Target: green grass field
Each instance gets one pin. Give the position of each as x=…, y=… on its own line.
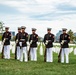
x=14, y=67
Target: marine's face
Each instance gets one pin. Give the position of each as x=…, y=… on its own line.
x=49, y=31
x=23, y=30
x=6, y=30
x=19, y=30
x=64, y=31
x=33, y=31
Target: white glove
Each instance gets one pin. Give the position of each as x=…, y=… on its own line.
x=3, y=41
x=20, y=43
x=46, y=42
x=17, y=41
x=62, y=42
x=6, y=38
x=28, y=44
x=31, y=41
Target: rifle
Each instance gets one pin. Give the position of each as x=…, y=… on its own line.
x=3, y=46
x=3, y=49
x=29, y=54
x=16, y=46
x=59, y=56
x=16, y=51
x=45, y=50
x=29, y=50
x=45, y=54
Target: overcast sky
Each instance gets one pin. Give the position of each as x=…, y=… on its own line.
x=41, y=14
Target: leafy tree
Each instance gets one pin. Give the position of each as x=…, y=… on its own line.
x=70, y=32
x=74, y=40
x=1, y=27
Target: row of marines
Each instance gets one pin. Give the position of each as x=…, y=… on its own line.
x=21, y=39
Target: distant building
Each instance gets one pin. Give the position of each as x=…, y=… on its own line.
x=13, y=34
x=57, y=35
x=75, y=34
x=74, y=38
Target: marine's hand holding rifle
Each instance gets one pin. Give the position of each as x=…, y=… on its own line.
x=31, y=42
x=3, y=41
x=20, y=43
x=46, y=42
x=62, y=42
x=16, y=41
